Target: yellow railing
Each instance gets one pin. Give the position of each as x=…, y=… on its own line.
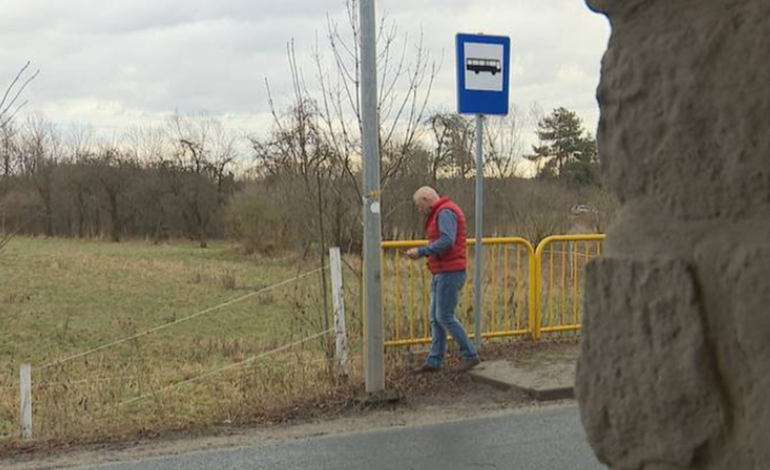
x=508, y=296
x=527, y=292
x=559, y=263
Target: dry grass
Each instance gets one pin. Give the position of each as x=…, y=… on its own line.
x=61, y=297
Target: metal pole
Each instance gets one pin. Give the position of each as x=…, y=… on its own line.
x=478, y=273
x=374, y=337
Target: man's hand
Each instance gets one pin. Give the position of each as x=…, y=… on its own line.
x=413, y=253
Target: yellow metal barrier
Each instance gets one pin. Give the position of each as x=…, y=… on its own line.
x=559, y=262
x=508, y=297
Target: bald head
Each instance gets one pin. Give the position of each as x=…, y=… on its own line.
x=425, y=197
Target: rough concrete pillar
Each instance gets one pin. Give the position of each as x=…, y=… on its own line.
x=675, y=368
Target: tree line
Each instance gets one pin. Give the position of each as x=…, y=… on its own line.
x=297, y=185
x=192, y=179
x=154, y=183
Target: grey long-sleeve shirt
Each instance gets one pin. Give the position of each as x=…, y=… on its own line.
x=447, y=226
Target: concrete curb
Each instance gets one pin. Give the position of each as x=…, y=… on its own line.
x=539, y=385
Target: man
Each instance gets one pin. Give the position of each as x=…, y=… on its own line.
x=445, y=227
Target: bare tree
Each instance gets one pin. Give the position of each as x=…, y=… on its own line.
x=441, y=125
x=79, y=143
x=406, y=73
x=8, y=104
x=297, y=152
x=406, y=76
x=148, y=145
x=41, y=150
x=80, y=185
x=113, y=171
x=9, y=107
x=9, y=149
x=453, y=140
x=151, y=148
x=504, y=144
x=202, y=154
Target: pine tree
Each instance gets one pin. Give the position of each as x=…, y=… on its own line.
x=566, y=150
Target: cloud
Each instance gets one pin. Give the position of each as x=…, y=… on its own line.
x=114, y=63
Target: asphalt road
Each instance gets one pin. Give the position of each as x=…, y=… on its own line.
x=547, y=439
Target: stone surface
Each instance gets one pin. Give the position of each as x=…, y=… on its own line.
x=684, y=104
x=676, y=366
x=750, y=271
x=646, y=380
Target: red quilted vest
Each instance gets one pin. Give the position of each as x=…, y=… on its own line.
x=453, y=259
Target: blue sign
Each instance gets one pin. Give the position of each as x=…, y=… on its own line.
x=483, y=73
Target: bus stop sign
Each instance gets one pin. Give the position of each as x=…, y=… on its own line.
x=483, y=73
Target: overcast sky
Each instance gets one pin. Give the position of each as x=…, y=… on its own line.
x=120, y=63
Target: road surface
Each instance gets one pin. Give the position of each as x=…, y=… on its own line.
x=547, y=439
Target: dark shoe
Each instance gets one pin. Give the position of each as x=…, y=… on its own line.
x=425, y=369
x=466, y=365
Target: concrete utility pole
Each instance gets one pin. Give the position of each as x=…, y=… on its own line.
x=478, y=274
x=374, y=337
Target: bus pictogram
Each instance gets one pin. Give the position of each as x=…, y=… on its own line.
x=483, y=65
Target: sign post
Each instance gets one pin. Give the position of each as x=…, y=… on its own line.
x=479, y=252
x=483, y=73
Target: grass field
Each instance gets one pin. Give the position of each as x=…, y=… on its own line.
x=60, y=297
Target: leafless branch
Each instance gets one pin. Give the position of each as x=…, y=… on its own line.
x=14, y=93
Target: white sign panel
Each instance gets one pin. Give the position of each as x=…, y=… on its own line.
x=484, y=66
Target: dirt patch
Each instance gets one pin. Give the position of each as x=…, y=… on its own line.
x=429, y=399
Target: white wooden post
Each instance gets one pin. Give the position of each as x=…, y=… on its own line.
x=26, y=401
x=339, y=310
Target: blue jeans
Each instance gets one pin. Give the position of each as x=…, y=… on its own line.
x=444, y=293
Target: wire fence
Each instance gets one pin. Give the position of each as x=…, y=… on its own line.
x=229, y=367
x=129, y=385
x=75, y=390
x=179, y=321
